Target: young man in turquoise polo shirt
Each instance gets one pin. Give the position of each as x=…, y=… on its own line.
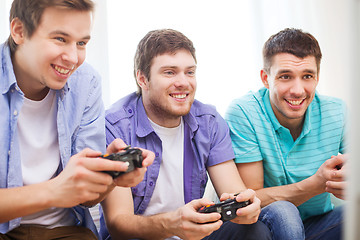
x=287, y=139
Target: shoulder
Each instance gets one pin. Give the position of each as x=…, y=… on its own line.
x=85, y=77
x=199, y=109
x=123, y=108
x=327, y=100
x=206, y=118
x=249, y=104
x=328, y=104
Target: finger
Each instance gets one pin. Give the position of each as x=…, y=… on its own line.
x=102, y=164
x=336, y=185
x=87, y=152
x=116, y=146
x=194, y=230
x=334, y=162
x=335, y=191
x=225, y=196
x=253, y=209
x=148, y=157
x=198, y=203
x=207, y=217
x=248, y=194
x=338, y=175
x=130, y=179
x=208, y=227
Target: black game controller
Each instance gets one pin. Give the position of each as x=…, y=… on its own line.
x=131, y=155
x=227, y=208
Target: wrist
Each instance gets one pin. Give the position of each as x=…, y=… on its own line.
x=312, y=185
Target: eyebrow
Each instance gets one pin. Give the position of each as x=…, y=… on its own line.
x=289, y=71
x=58, y=32
x=174, y=67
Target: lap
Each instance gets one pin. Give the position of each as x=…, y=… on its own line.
x=284, y=221
x=326, y=226
x=41, y=233
x=232, y=231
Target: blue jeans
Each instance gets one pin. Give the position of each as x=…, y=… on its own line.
x=233, y=231
x=284, y=221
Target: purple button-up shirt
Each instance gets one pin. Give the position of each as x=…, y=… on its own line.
x=206, y=143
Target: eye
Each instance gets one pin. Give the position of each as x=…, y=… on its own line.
x=308, y=76
x=82, y=43
x=60, y=39
x=168, y=72
x=191, y=73
x=285, y=77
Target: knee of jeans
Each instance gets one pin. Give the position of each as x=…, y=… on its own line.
x=283, y=219
x=282, y=211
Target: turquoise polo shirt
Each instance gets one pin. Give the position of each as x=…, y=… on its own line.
x=257, y=135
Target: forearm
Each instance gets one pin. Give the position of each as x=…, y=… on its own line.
x=22, y=201
x=296, y=193
x=126, y=226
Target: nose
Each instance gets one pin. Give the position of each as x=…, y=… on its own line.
x=181, y=80
x=297, y=88
x=70, y=54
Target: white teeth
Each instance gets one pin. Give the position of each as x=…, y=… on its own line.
x=296, y=103
x=179, y=95
x=62, y=70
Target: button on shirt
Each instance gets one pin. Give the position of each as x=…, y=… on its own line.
x=80, y=124
x=206, y=143
x=257, y=135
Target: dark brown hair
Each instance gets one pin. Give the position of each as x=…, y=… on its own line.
x=29, y=12
x=293, y=41
x=156, y=43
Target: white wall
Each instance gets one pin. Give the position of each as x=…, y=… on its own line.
x=229, y=37
x=352, y=213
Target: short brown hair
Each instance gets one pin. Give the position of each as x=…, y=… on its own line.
x=29, y=12
x=158, y=42
x=293, y=41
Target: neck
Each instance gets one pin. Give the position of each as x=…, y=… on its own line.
x=31, y=89
x=295, y=128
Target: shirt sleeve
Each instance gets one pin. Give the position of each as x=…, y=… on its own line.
x=220, y=147
x=91, y=132
x=243, y=135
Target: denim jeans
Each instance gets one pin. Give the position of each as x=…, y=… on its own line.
x=233, y=231
x=284, y=221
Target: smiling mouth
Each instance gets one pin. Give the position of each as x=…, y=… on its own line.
x=61, y=70
x=179, y=96
x=295, y=102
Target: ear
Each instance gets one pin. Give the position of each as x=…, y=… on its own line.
x=17, y=31
x=142, y=80
x=264, y=78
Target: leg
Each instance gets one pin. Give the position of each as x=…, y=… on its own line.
x=232, y=231
x=326, y=226
x=4, y=237
x=284, y=221
x=41, y=233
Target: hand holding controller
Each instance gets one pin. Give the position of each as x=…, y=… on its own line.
x=226, y=208
x=131, y=155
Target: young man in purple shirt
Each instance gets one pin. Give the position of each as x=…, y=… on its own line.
x=189, y=139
